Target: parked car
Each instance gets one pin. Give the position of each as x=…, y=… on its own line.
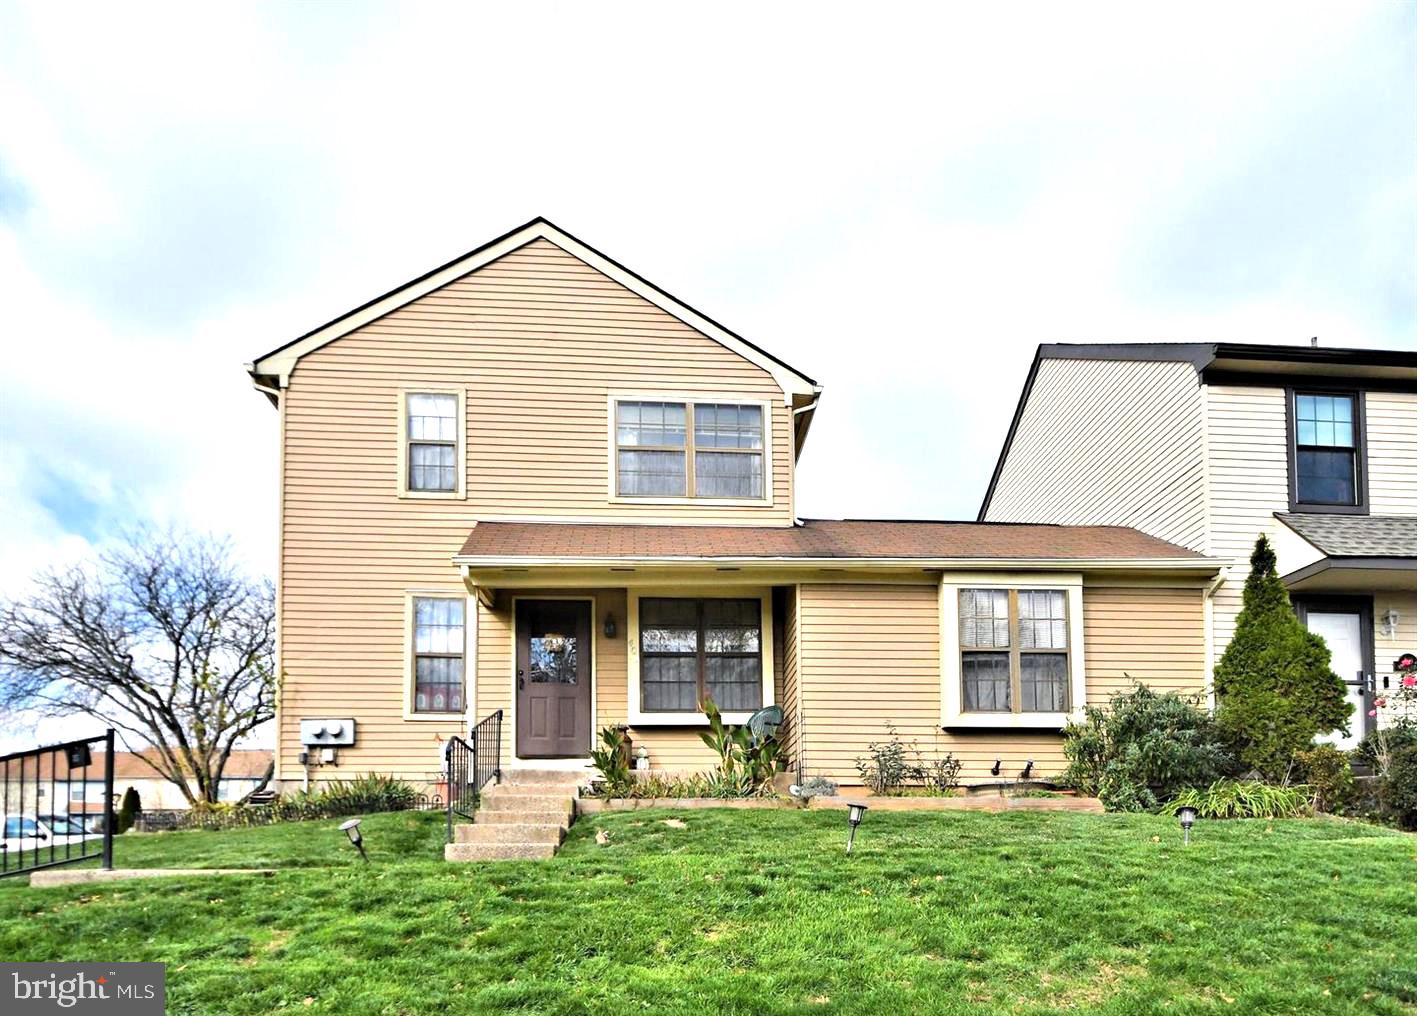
x=27, y=833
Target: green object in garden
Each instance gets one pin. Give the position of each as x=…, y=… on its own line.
x=1276, y=688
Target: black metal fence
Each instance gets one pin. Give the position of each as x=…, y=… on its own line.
x=40, y=789
x=471, y=764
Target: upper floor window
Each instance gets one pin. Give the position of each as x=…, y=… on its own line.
x=1014, y=650
x=432, y=427
x=1327, y=456
x=690, y=449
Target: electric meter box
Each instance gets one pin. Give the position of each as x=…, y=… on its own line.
x=326, y=732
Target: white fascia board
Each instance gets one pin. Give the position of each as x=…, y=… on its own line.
x=282, y=362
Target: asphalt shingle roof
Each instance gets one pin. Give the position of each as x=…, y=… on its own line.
x=1357, y=535
x=819, y=538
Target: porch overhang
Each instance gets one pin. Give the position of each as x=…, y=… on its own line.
x=1354, y=574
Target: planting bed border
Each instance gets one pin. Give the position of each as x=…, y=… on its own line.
x=968, y=802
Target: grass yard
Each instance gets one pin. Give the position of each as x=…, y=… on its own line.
x=761, y=912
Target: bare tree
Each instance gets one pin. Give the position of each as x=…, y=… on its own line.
x=163, y=639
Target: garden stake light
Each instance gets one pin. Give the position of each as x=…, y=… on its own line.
x=351, y=829
x=1187, y=815
x=854, y=813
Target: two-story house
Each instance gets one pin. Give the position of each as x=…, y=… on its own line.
x=532, y=481
x=1208, y=445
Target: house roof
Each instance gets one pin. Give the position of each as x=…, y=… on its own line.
x=1220, y=362
x=245, y=763
x=274, y=367
x=1357, y=535
x=816, y=540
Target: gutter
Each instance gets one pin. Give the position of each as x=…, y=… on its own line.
x=1203, y=565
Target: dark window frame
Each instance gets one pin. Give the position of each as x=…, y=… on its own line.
x=1016, y=652
x=700, y=654
x=1360, y=450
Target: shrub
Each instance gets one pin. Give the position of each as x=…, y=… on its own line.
x=816, y=786
x=1329, y=776
x=746, y=763
x=1399, y=787
x=892, y=765
x=128, y=810
x=1143, y=748
x=612, y=761
x=1378, y=745
x=1242, y=799
x=1275, y=685
x=370, y=792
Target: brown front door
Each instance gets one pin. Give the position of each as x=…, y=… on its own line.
x=553, y=678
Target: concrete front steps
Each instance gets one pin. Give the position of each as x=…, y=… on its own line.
x=525, y=817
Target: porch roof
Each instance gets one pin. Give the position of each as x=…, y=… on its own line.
x=1357, y=535
x=843, y=540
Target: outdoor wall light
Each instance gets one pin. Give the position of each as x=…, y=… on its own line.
x=351, y=829
x=1391, y=618
x=854, y=813
x=1187, y=815
x=1028, y=769
x=610, y=626
x=998, y=764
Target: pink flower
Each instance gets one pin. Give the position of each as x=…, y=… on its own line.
x=1409, y=681
x=1380, y=702
x=1372, y=712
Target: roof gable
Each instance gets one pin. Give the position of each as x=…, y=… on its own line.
x=273, y=369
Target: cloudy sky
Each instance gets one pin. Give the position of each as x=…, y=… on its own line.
x=901, y=204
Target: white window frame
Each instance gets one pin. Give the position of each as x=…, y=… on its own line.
x=612, y=458
x=459, y=493
x=410, y=658
x=639, y=716
x=952, y=712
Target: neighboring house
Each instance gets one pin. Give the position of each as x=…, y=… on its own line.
x=49, y=786
x=1208, y=445
x=241, y=775
x=531, y=481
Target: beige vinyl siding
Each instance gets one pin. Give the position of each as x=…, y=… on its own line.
x=869, y=655
x=1387, y=649
x=1249, y=481
x=678, y=749
x=791, y=687
x=537, y=341
x=1154, y=636
x=1392, y=452
x=1106, y=442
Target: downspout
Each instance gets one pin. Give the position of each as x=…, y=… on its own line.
x=1208, y=621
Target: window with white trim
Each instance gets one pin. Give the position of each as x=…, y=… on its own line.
x=438, y=652
x=431, y=429
x=698, y=650
x=690, y=449
x=1013, y=646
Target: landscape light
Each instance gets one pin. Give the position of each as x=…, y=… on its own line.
x=1187, y=815
x=351, y=829
x=854, y=813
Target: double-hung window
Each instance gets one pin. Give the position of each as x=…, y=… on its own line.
x=690, y=449
x=698, y=650
x=1327, y=458
x=438, y=650
x=1013, y=647
x=432, y=425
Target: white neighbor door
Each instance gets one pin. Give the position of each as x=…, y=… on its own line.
x=1344, y=634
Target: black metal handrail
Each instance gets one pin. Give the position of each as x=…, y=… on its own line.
x=29, y=799
x=470, y=764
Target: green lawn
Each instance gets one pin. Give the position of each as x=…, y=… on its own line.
x=761, y=912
